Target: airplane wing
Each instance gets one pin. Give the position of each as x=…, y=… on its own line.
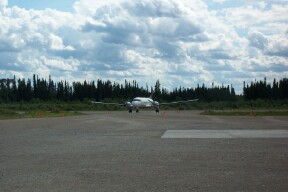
x=103, y=103
x=176, y=102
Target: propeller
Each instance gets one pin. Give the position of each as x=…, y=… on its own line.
x=127, y=104
x=154, y=103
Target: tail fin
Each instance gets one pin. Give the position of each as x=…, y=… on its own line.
x=151, y=96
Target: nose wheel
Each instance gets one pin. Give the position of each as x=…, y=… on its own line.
x=157, y=110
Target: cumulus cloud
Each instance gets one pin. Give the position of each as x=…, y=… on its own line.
x=257, y=40
x=276, y=45
x=250, y=16
x=3, y=4
x=180, y=42
x=168, y=28
x=219, y=1
x=56, y=43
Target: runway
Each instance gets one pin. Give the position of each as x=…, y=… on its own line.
x=118, y=151
x=224, y=134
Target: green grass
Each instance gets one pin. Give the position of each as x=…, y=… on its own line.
x=246, y=113
x=39, y=109
x=10, y=114
x=57, y=106
x=229, y=105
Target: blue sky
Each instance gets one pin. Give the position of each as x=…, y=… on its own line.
x=62, y=5
x=180, y=42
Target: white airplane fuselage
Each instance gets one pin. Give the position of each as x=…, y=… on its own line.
x=142, y=102
x=139, y=102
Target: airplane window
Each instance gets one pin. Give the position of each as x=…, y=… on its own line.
x=136, y=100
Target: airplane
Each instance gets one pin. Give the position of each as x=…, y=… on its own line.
x=140, y=102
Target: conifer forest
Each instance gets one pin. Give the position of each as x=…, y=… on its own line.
x=15, y=90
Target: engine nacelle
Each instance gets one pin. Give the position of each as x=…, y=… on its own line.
x=156, y=103
x=128, y=104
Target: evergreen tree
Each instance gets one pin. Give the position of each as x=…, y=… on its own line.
x=157, y=90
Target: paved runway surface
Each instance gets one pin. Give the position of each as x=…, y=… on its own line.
x=117, y=151
x=224, y=134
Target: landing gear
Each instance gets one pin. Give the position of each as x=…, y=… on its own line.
x=157, y=110
x=130, y=111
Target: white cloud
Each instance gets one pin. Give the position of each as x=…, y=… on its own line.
x=56, y=43
x=249, y=16
x=271, y=45
x=60, y=64
x=262, y=5
x=3, y=4
x=257, y=40
x=219, y=1
x=180, y=42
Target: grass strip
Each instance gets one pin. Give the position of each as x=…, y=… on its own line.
x=245, y=113
x=9, y=114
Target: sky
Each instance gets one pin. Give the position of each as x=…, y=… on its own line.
x=180, y=42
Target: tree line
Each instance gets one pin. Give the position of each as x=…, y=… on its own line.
x=263, y=90
x=12, y=90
